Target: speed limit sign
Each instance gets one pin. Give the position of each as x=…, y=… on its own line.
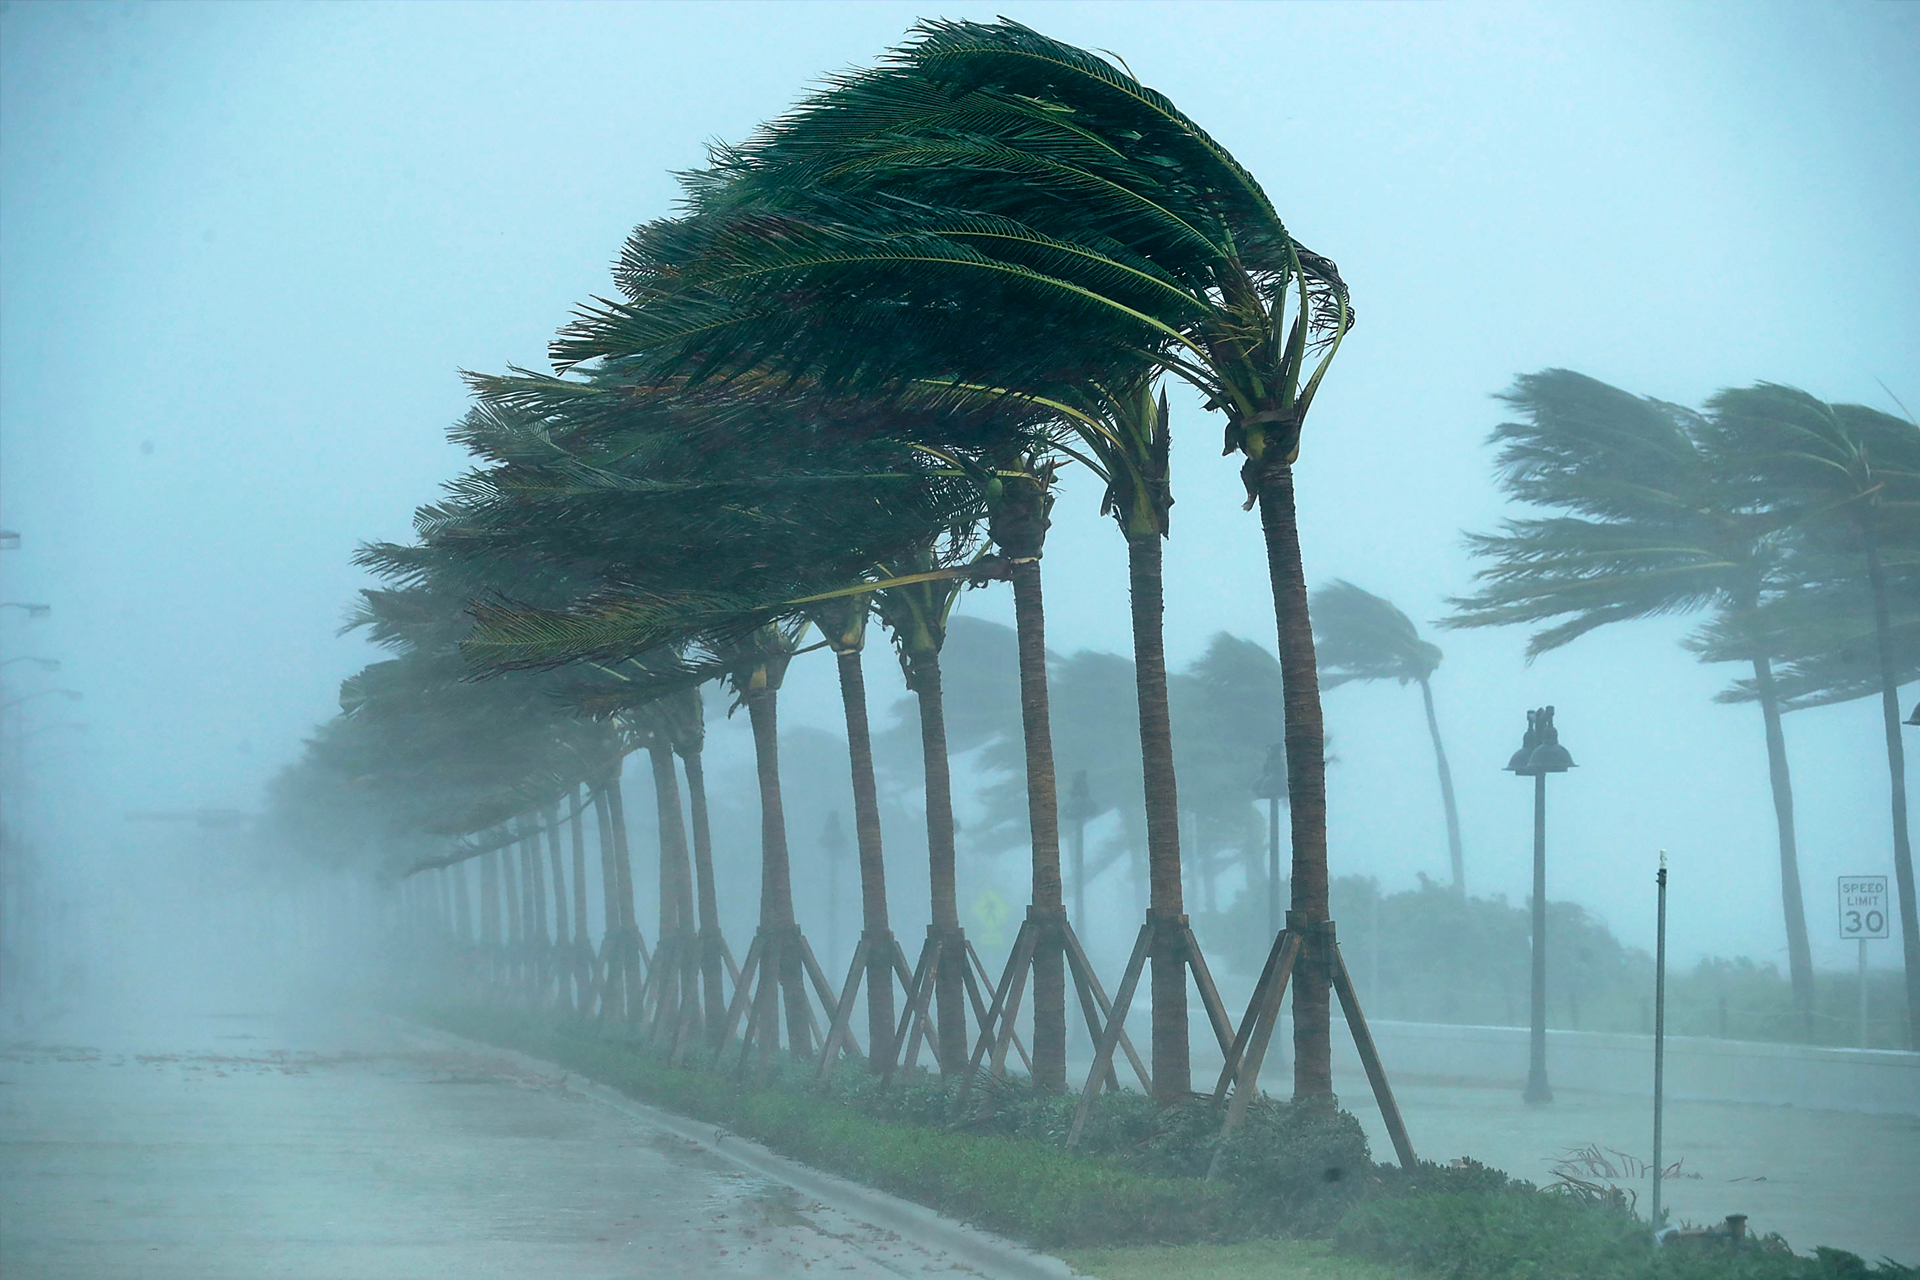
x=1863, y=906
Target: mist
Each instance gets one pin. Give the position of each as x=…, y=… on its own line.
x=247, y=252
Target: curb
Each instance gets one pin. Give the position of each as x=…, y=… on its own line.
x=994, y=1255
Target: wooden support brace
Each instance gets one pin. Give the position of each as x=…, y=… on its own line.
x=1100, y=1013
x=977, y=980
x=1370, y=1058
x=907, y=1043
x=1246, y=1080
x=742, y=990
x=843, y=1011
x=1110, y=1038
x=1209, y=994
x=1006, y=1004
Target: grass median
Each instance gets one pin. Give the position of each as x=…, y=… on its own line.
x=1297, y=1194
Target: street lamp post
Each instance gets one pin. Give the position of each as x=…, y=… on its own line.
x=833, y=842
x=33, y=610
x=1540, y=754
x=1271, y=786
x=1079, y=810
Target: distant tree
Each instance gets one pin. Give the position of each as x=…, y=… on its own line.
x=1846, y=478
x=1648, y=522
x=1361, y=636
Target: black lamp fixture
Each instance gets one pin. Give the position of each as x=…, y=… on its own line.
x=1540, y=750
x=1914, y=719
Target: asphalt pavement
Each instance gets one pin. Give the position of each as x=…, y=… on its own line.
x=251, y=1146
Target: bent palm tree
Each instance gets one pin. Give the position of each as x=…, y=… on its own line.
x=1363, y=637
x=1848, y=478
x=1653, y=526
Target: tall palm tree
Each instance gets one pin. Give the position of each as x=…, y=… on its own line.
x=1648, y=523
x=917, y=613
x=1848, y=478
x=994, y=209
x=842, y=621
x=1362, y=636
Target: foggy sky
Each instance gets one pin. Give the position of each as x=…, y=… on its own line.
x=264, y=239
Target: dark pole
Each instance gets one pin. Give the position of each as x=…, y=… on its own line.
x=1079, y=801
x=1540, y=754
x=1538, y=1089
x=1271, y=786
x=1273, y=864
x=1659, y=1033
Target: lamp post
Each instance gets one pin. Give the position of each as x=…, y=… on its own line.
x=33, y=610
x=1271, y=786
x=1540, y=754
x=1079, y=810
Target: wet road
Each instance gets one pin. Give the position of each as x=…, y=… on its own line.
x=249, y=1147
x=1816, y=1177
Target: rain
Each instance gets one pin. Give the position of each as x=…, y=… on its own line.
x=1124, y=640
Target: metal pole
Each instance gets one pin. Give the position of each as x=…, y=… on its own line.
x=1537, y=1088
x=1659, y=1033
x=1080, y=873
x=1863, y=993
x=1273, y=866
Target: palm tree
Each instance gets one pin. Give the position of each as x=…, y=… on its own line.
x=1363, y=637
x=842, y=622
x=995, y=209
x=1652, y=525
x=1848, y=479
x=917, y=613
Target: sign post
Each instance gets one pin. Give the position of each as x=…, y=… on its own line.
x=1863, y=915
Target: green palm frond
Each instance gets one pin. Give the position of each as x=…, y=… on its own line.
x=1360, y=636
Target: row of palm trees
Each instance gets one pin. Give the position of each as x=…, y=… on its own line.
x=839, y=385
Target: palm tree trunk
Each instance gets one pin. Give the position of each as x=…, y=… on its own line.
x=1799, y=953
x=489, y=919
x=562, y=928
x=1454, y=856
x=615, y=926
x=582, y=967
x=1897, y=768
x=950, y=1009
x=1172, y=1069
x=873, y=868
x=776, y=877
x=512, y=891
x=462, y=908
x=1043, y=818
x=1306, y=781
x=676, y=879
x=709, y=902
x=628, y=952
x=715, y=1006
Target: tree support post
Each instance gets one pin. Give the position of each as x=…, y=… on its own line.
x=1240, y=1074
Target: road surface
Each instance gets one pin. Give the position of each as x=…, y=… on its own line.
x=249, y=1147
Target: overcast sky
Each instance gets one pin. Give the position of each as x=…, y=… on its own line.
x=245, y=249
